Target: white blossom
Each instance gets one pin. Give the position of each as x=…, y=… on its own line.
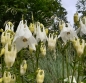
x=23, y=37
x=82, y=28
x=52, y=41
x=70, y=78
x=10, y=56
x=67, y=33
x=41, y=34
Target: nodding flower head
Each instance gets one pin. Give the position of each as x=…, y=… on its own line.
x=40, y=76
x=32, y=27
x=52, y=41
x=79, y=46
x=23, y=67
x=43, y=49
x=61, y=24
x=76, y=17
x=67, y=33
x=10, y=55
x=23, y=37
x=41, y=34
x=7, y=77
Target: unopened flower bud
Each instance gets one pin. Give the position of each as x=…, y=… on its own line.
x=40, y=76
x=3, y=38
x=1, y=79
x=2, y=51
x=7, y=77
x=46, y=30
x=76, y=18
x=13, y=78
x=79, y=46
x=23, y=67
x=31, y=27
x=43, y=50
x=1, y=30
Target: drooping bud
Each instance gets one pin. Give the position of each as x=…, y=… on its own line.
x=7, y=77
x=61, y=24
x=84, y=20
x=1, y=30
x=10, y=56
x=43, y=49
x=40, y=76
x=76, y=18
x=79, y=46
x=23, y=67
x=2, y=51
x=13, y=78
x=3, y=38
x=8, y=38
x=46, y=30
x=31, y=27
x=1, y=79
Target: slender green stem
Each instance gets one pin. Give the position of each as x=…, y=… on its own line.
x=79, y=64
x=2, y=65
x=19, y=62
x=74, y=67
x=67, y=65
x=32, y=62
x=63, y=69
x=22, y=79
x=73, y=72
x=37, y=56
x=37, y=61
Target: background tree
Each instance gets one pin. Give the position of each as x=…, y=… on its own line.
x=81, y=6
x=42, y=10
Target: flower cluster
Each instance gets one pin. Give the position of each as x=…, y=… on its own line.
x=38, y=39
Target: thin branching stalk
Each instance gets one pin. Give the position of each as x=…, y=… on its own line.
x=67, y=65
x=2, y=65
x=74, y=68
x=63, y=64
x=73, y=72
x=37, y=55
x=79, y=65
x=20, y=54
x=63, y=69
x=32, y=62
x=22, y=79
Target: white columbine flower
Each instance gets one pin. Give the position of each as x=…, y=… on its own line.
x=41, y=34
x=79, y=46
x=70, y=78
x=10, y=56
x=6, y=38
x=52, y=41
x=9, y=26
x=82, y=28
x=67, y=33
x=23, y=37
